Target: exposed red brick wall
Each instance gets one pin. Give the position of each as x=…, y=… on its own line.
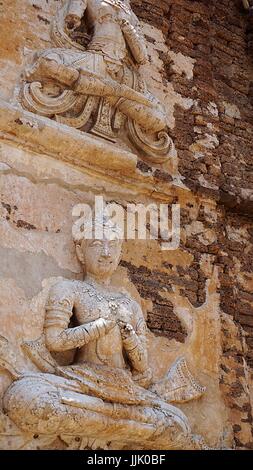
x=216, y=35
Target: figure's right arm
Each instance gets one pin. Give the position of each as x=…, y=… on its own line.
x=75, y=13
x=59, y=310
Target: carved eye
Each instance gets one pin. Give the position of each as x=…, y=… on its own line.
x=113, y=243
x=96, y=243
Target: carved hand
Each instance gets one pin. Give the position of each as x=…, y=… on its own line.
x=143, y=378
x=124, y=22
x=72, y=21
x=77, y=337
x=126, y=329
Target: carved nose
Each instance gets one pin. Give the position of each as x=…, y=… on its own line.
x=106, y=253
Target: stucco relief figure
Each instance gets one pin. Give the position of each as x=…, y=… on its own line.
x=91, y=80
x=106, y=394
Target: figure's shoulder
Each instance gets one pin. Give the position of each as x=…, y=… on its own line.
x=136, y=307
x=127, y=297
x=63, y=288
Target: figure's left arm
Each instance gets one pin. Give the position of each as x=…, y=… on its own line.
x=134, y=39
x=135, y=345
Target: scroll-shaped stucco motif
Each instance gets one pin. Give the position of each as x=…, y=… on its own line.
x=91, y=81
x=105, y=392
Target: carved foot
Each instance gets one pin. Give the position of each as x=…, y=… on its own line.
x=179, y=386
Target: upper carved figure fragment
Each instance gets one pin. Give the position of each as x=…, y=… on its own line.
x=91, y=79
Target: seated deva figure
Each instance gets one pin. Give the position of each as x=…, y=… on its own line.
x=107, y=392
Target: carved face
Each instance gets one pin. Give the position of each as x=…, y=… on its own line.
x=101, y=257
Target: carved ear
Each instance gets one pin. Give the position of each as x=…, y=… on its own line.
x=80, y=254
x=3, y=341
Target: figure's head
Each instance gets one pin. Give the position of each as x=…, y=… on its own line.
x=101, y=256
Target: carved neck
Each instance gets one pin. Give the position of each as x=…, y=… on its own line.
x=103, y=282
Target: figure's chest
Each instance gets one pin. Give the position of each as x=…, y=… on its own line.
x=89, y=308
x=90, y=305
